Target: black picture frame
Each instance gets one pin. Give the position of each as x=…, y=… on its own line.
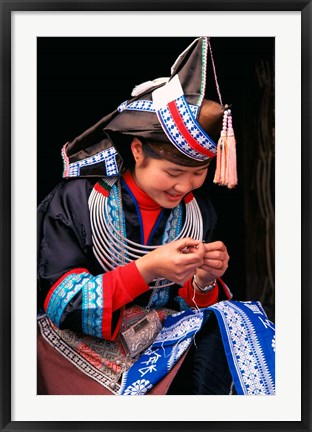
x=7, y=7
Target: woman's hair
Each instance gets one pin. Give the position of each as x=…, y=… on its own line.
x=166, y=150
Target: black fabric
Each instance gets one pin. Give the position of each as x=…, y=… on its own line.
x=205, y=369
x=65, y=240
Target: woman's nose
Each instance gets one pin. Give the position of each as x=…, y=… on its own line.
x=184, y=186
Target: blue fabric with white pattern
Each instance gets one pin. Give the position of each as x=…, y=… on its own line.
x=249, y=342
x=107, y=156
x=91, y=288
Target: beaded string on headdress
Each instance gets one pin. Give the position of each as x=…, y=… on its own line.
x=226, y=171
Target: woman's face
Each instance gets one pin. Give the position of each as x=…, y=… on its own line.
x=165, y=182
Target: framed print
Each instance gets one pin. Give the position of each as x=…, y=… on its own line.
x=47, y=101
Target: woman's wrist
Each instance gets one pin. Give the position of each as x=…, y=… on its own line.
x=146, y=269
x=206, y=287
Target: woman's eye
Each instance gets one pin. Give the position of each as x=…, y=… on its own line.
x=172, y=175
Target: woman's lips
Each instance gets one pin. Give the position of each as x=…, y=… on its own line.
x=174, y=197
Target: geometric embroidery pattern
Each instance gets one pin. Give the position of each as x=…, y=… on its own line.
x=108, y=156
x=173, y=340
x=187, y=325
x=248, y=338
x=64, y=293
x=148, y=105
x=139, y=105
x=52, y=337
x=92, y=306
x=182, y=129
x=248, y=356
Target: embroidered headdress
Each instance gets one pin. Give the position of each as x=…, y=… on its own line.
x=170, y=109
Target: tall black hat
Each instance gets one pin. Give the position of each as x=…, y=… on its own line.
x=170, y=109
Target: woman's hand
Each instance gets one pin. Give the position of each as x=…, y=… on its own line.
x=176, y=261
x=216, y=260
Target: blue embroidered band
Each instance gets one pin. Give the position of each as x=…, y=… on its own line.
x=251, y=361
x=108, y=156
x=147, y=105
x=64, y=293
x=184, y=131
x=92, y=306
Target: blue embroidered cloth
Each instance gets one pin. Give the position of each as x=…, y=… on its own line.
x=249, y=343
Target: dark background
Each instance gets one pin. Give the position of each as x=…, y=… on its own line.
x=82, y=79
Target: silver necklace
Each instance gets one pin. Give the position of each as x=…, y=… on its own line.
x=112, y=248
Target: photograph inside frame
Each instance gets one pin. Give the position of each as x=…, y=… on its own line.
x=156, y=216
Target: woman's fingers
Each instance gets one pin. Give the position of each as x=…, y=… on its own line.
x=186, y=245
x=179, y=260
x=216, y=259
x=216, y=255
x=215, y=246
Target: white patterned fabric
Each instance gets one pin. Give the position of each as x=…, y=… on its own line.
x=107, y=157
x=184, y=131
x=248, y=338
x=249, y=342
x=148, y=105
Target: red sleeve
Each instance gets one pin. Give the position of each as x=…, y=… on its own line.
x=194, y=298
x=125, y=283
x=122, y=286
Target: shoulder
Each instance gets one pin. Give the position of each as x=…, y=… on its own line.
x=204, y=202
x=67, y=195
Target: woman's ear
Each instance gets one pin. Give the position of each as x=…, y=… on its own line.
x=137, y=151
